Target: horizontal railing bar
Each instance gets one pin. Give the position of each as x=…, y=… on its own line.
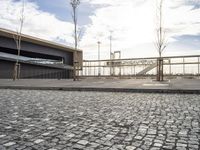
x=142, y=58
x=186, y=63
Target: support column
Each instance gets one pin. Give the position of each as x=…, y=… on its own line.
x=120, y=70
x=198, y=66
x=183, y=66
x=89, y=69
x=86, y=71
x=134, y=71
x=131, y=70
x=170, y=67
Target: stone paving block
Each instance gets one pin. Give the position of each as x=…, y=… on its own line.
x=38, y=141
x=90, y=120
x=9, y=144
x=109, y=136
x=157, y=144
x=83, y=142
x=26, y=130
x=154, y=148
x=130, y=147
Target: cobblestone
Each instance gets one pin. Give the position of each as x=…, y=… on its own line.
x=9, y=144
x=58, y=120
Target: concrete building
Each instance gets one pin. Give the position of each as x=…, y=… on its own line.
x=38, y=58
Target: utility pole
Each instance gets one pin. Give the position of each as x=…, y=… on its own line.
x=110, y=52
x=74, y=4
x=110, y=44
x=99, y=70
x=198, y=66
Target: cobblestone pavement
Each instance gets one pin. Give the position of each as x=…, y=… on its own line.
x=57, y=120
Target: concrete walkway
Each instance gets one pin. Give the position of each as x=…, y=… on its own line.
x=106, y=85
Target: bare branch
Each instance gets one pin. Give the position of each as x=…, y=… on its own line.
x=161, y=42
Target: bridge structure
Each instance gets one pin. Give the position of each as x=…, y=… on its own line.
x=142, y=67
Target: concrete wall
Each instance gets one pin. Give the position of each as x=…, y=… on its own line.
x=32, y=71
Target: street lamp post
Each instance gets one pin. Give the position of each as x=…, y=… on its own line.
x=99, y=69
x=110, y=44
x=110, y=52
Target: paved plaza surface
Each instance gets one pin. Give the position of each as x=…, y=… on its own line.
x=55, y=120
x=105, y=84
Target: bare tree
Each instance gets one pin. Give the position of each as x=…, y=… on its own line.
x=161, y=42
x=74, y=4
x=17, y=37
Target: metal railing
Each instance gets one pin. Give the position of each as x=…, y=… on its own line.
x=173, y=66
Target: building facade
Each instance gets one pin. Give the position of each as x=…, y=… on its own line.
x=38, y=58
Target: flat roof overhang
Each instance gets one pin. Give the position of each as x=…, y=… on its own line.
x=31, y=39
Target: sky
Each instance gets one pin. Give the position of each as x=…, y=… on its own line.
x=131, y=22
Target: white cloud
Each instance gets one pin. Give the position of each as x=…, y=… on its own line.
x=133, y=25
x=37, y=22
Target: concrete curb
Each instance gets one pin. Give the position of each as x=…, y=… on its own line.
x=95, y=89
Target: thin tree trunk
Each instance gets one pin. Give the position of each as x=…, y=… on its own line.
x=161, y=43
x=17, y=38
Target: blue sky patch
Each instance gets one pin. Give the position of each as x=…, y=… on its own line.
x=62, y=10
